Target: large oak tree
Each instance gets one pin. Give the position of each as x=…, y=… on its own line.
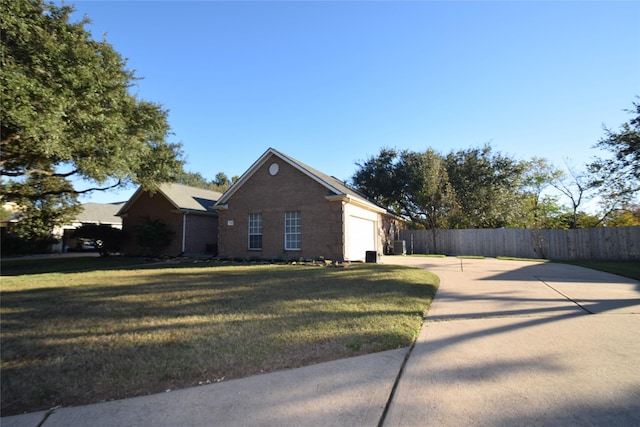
x=487, y=186
x=68, y=114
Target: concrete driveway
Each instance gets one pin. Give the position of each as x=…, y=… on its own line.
x=522, y=343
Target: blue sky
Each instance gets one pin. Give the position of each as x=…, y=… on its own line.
x=331, y=82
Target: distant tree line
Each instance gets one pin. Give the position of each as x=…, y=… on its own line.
x=480, y=188
x=220, y=183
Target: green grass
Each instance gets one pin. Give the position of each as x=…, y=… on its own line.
x=629, y=269
x=429, y=255
x=510, y=258
x=77, y=338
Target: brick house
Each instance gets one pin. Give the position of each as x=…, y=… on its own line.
x=282, y=208
x=187, y=211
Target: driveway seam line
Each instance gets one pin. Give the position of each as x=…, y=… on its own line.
x=392, y=393
x=564, y=295
x=47, y=415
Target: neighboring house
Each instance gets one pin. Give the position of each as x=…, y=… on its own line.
x=282, y=208
x=10, y=214
x=92, y=213
x=99, y=214
x=187, y=211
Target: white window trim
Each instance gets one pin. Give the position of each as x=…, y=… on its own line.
x=249, y=233
x=299, y=233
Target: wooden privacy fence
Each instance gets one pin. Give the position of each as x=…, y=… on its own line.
x=605, y=243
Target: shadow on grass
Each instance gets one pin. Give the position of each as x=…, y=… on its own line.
x=20, y=267
x=113, y=334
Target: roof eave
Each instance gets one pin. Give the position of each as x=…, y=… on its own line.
x=122, y=212
x=194, y=211
x=354, y=201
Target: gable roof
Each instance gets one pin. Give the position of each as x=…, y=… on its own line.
x=100, y=213
x=182, y=197
x=338, y=189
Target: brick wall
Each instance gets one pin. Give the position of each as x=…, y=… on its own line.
x=201, y=229
x=271, y=196
x=202, y=234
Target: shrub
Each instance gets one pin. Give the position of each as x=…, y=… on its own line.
x=152, y=235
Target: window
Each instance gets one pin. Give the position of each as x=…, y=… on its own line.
x=292, y=231
x=255, y=231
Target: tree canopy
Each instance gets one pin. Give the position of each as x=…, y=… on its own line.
x=468, y=188
x=625, y=146
x=487, y=186
x=617, y=176
x=220, y=183
x=427, y=196
x=68, y=112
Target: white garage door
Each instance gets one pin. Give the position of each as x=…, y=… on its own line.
x=361, y=238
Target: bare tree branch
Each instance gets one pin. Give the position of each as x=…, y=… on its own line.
x=30, y=172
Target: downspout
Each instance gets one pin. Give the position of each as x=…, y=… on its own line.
x=344, y=230
x=184, y=232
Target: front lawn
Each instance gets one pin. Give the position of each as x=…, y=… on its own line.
x=76, y=338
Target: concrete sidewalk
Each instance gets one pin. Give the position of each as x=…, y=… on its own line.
x=347, y=392
x=504, y=343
